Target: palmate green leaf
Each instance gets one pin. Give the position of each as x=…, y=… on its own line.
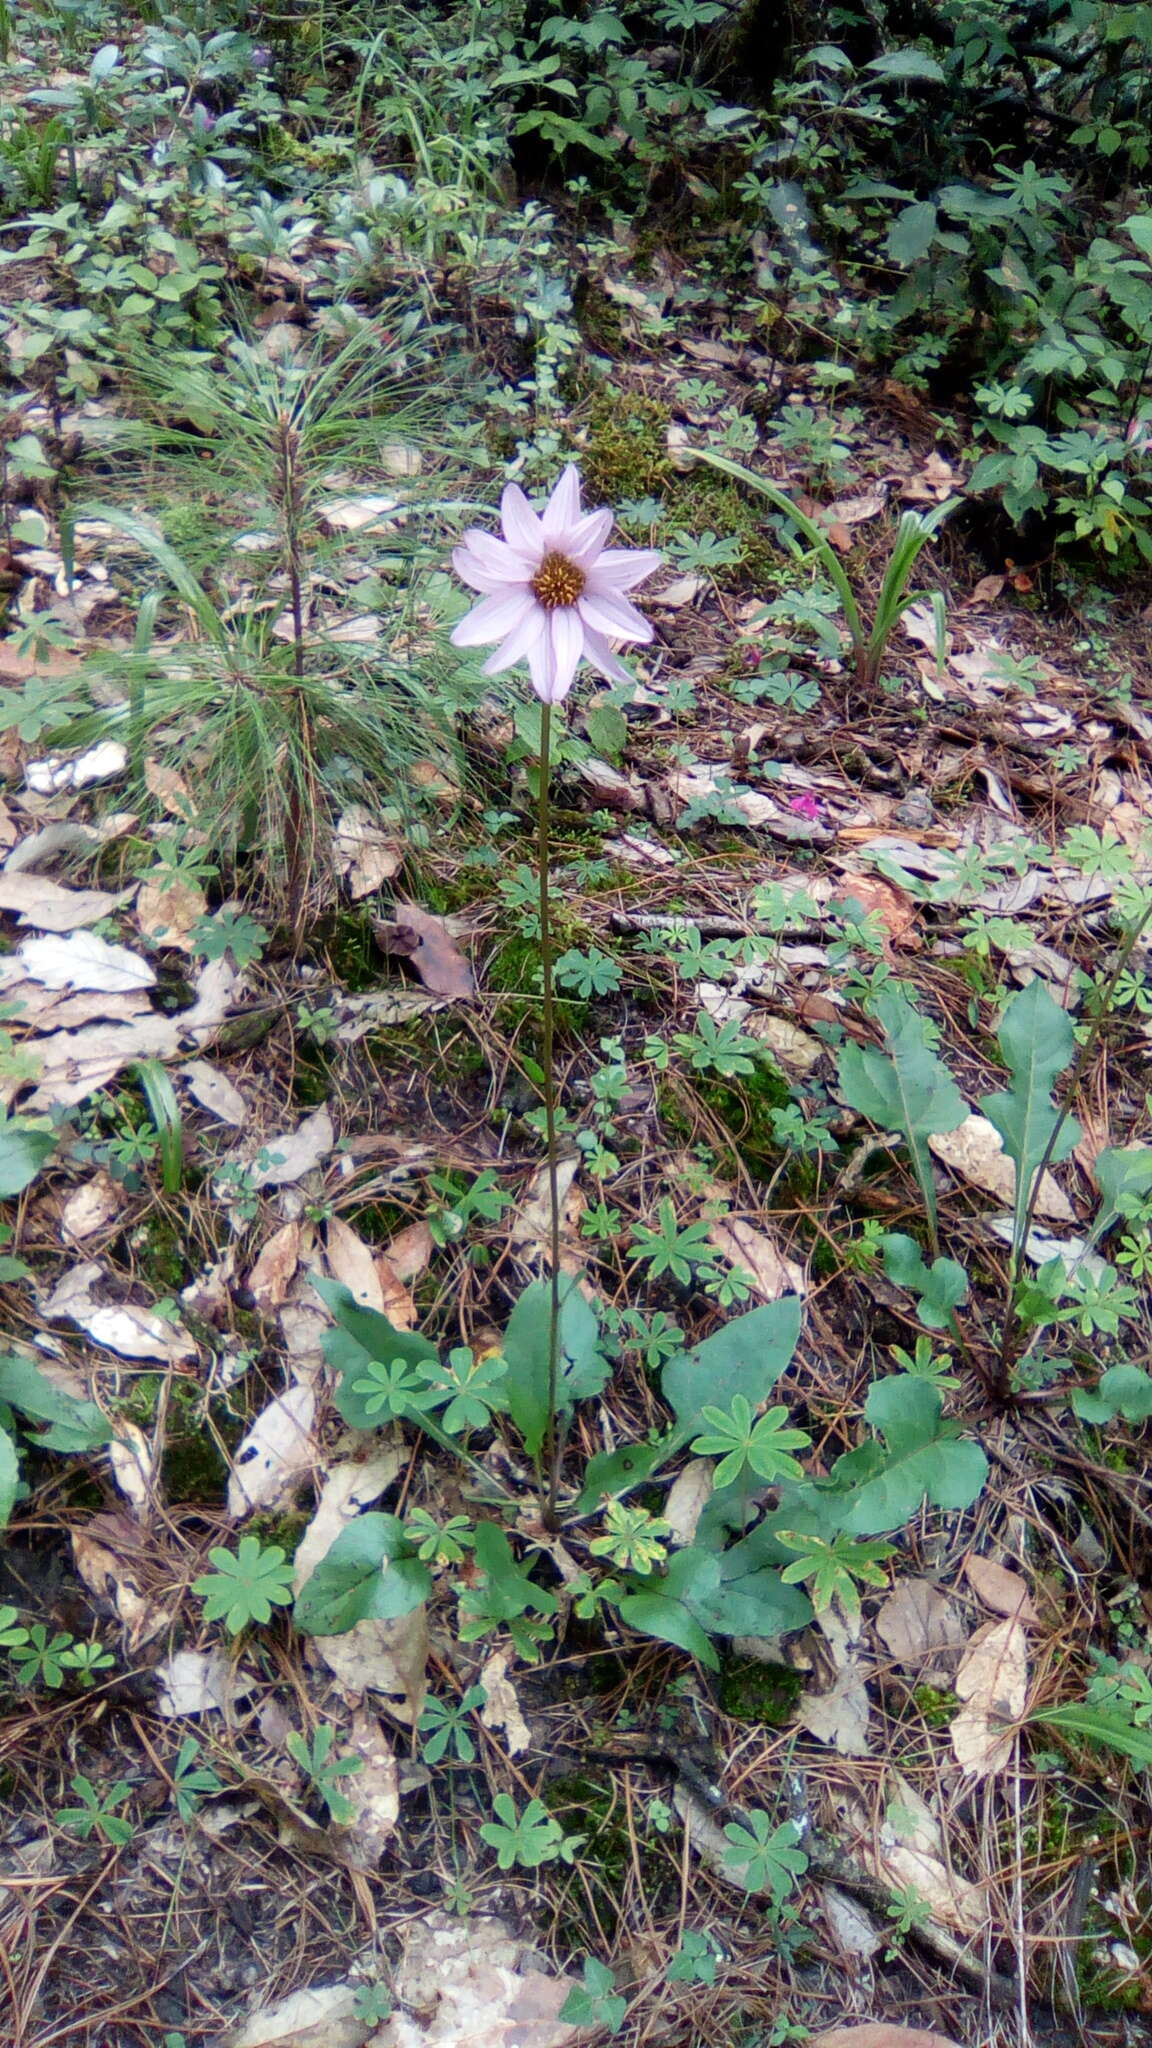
x=906, y=1088
x=1037, y=1041
x=745, y=1356
x=764, y=1445
x=363, y=1339
x=369, y=1574
x=246, y=1584
x=922, y=1457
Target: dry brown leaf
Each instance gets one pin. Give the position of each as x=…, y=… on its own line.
x=353, y=1264
x=107, y=1575
x=689, y=1494
x=388, y=1657
x=426, y=940
x=532, y=1225
x=169, y=788
x=397, y=1301
x=501, y=1711
x=894, y=907
x=1004, y=1591
x=839, y=1716
x=287, y=1158
x=975, y=1151
x=986, y=591
x=851, y=511
x=770, y=1272
x=201, y=1682
x=120, y=1326
x=373, y=1790
x=851, y=1925
x=82, y=959
x=474, y=1984
x=92, y=1207
x=795, y=1050
x=275, y=1269
x=168, y=912
x=365, y=855
x=917, y=1621
x=215, y=1092
x=409, y=1251
x=993, y=1683
x=879, y=2034
x=133, y=1463
x=51, y=907
x=347, y=1489
x=276, y=1455
x=322, y=2017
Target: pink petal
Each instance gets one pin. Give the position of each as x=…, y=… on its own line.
x=598, y=652
x=567, y=649
x=492, y=618
x=542, y=668
x=482, y=553
x=622, y=568
x=613, y=616
x=562, y=511
x=522, y=529
x=521, y=640
x=585, y=542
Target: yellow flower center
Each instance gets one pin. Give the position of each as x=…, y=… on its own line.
x=557, y=582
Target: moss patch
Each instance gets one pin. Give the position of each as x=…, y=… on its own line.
x=764, y=1693
x=626, y=451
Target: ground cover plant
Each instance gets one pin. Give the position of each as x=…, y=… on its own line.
x=574, y=1137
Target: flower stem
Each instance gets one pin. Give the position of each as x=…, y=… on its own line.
x=547, y=1041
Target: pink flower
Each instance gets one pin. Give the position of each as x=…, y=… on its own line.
x=553, y=592
x=808, y=807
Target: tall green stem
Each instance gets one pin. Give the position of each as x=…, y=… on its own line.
x=547, y=1041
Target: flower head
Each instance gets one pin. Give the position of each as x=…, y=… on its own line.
x=553, y=593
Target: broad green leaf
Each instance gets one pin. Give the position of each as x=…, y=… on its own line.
x=611, y=1473
x=912, y=232
x=907, y=65
x=1121, y=1175
x=24, y=1147
x=582, y=1368
x=1037, y=1041
x=74, y=1425
x=366, y=1576
x=1099, y=1724
x=1139, y=226
x=9, y=1476
x=941, y=1286
x=746, y=1356
x=510, y=1591
x=662, y=1609
x=751, y=1598
x=905, y=1088
x=1123, y=1390
x=923, y=1458
x=363, y=1337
